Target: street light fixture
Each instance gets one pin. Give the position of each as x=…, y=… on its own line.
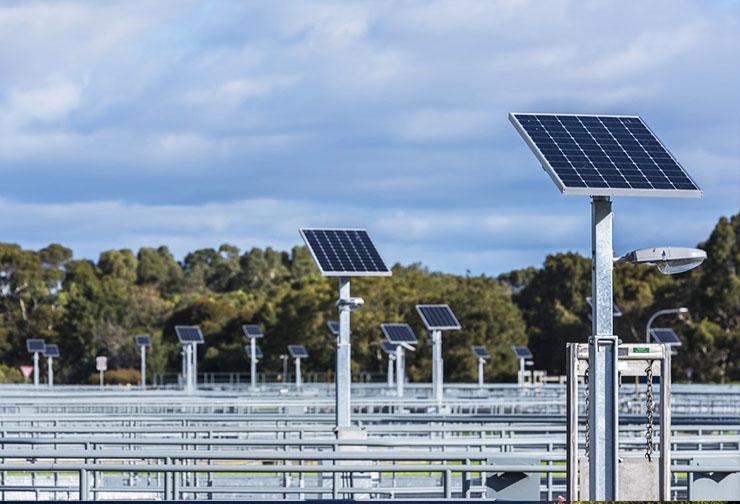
x=669, y=311
x=668, y=260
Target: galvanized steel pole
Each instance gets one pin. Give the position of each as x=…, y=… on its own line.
x=143, y=367
x=344, y=359
x=437, y=366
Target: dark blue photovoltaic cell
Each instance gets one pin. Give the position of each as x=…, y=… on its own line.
x=297, y=351
x=437, y=317
x=189, y=334
x=388, y=347
x=257, y=351
x=398, y=333
x=142, y=340
x=609, y=152
x=522, y=352
x=341, y=251
x=51, y=351
x=665, y=335
x=252, y=331
x=481, y=352
x=35, y=345
x=333, y=326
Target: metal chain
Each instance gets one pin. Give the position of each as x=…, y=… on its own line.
x=650, y=405
x=585, y=380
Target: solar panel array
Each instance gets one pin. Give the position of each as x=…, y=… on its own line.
x=398, y=333
x=333, y=326
x=522, y=352
x=388, y=347
x=35, y=345
x=142, y=340
x=665, y=335
x=297, y=351
x=616, y=312
x=257, y=351
x=481, y=352
x=438, y=317
x=51, y=350
x=344, y=252
x=252, y=331
x=189, y=334
x=603, y=155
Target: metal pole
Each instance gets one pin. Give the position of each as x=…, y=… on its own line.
x=344, y=359
x=298, y=380
x=101, y=379
x=285, y=367
x=188, y=369
x=603, y=411
x=143, y=367
x=399, y=371
x=194, y=366
x=481, y=362
x=437, y=366
x=572, y=424
x=521, y=371
x=665, y=425
x=36, y=368
x=389, y=374
x=253, y=361
x=50, y=370
x=185, y=375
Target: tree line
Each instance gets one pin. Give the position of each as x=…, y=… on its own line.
x=95, y=308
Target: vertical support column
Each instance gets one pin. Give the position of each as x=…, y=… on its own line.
x=481, y=363
x=194, y=367
x=50, y=370
x=188, y=368
x=253, y=362
x=36, y=369
x=572, y=407
x=437, y=367
x=143, y=367
x=665, y=425
x=102, y=379
x=522, y=369
x=602, y=353
x=399, y=371
x=344, y=359
x=298, y=380
x=389, y=373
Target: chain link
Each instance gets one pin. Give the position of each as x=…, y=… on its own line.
x=585, y=380
x=650, y=406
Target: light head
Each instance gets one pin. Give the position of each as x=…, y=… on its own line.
x=351, y=303
x=668, y=260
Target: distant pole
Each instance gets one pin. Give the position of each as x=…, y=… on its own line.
x=344, y=359
x=143, y=367
x=298, y=380
x=50, y=370
x=253, y=362
x=399, y=371
x=389, y=373
x=36, y=369
x=522, y=364
x=101, y=379
x=437, y=366
x=194, y=366
x=189, y=369
x=480, y=372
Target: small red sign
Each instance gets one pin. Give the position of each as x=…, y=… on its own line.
x=26, y=370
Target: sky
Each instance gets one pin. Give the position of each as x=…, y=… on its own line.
x=191, y=124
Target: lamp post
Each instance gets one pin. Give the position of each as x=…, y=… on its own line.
x=659, y=313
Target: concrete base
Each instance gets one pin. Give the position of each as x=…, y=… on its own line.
x=638, y=479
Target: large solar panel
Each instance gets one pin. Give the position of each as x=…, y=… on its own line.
x=142, y=340
x=603, y=155
x=616, y=312
x=388, y=347
x=257, y=351
x=35, y=345
x=297, y=351
x=438, y=317
x=398, y=333
x=665, y=335
x=481, y=352
x=51, y=350
x=522, y=352
x=189, y=334
x=333, y=326
x=252, y=331
x=344, y=252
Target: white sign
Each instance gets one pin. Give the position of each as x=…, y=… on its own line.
x=101, y=363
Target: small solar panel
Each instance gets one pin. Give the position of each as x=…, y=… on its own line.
x=333, y=326
x=297, y=351
x=604, y=155
x=522, y=352
x=189, y=334
x=252, y=331
x=143, y=340
x=51, y=350
x=35, y=345
x=665, y=335
x=388, y=347
x=438, y=317
x=481, y=352
x=398, y=333
x=616, y=312
x=344, y=252
x=257, y=351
